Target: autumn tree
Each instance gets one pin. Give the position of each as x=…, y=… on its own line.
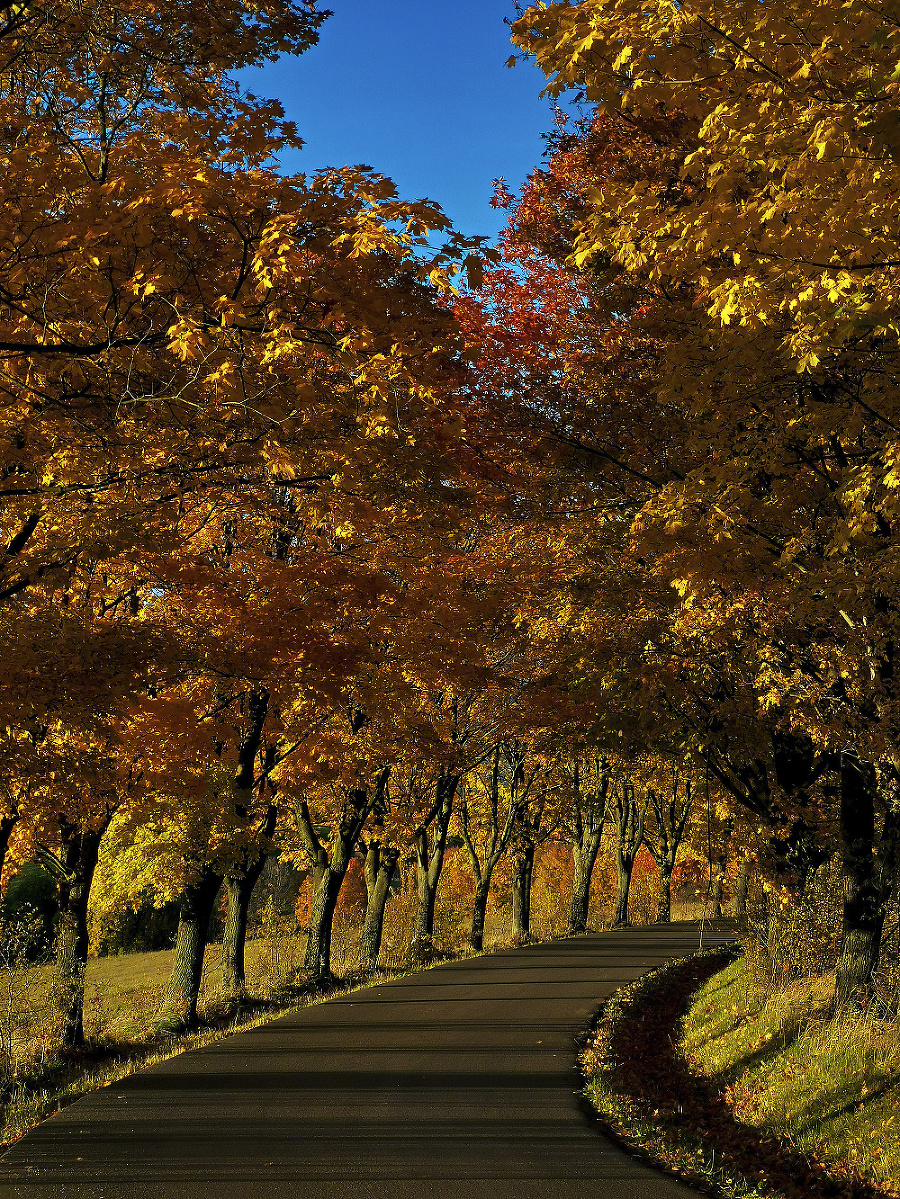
x=789, y=272
x=495, y=797
x=329, y=848
x=380, y=869
x=536, y=825
x=671, y=800
x=206, y=362
x=180, y=329
x=430, y=843
x=735, y=511
x=591, y=776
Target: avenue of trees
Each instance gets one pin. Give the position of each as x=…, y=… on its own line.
x=317, y=539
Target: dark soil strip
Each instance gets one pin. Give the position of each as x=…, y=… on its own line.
x=670, y=1116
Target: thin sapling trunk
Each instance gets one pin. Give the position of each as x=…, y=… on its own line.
x=521, y=895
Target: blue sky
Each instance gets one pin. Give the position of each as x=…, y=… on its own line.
x=419, y=90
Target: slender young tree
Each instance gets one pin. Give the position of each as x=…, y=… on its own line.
x=665, y=834
x=329, y=862
x=430, y=844
x=487, y=817
x=380, y=867
x=628, y=814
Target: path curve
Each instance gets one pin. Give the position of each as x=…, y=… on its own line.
x=456, y=1083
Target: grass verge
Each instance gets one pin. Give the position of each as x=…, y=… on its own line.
x=831, y=1088
x=647, y=1097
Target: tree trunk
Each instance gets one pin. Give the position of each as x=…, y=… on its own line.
x=7, y=824
x=239, y=890
x=330, y=868
x=429, y=865
x=664, y=907
x=624, y=865
x=479, y=911
x=521, y=896
x=427, y=896
x=194, y=912
x=741, y=888
x=715, y=899
x=865, y=890
x=78, y=859
x=380, y=866
x=720, y=865
x=585, y=855
x=327, y=881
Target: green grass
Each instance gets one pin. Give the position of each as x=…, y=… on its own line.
x=827, y=1087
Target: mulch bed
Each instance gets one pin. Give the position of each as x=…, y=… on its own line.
x=665, y=1114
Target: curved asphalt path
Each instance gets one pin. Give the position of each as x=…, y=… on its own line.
x=456, y=1083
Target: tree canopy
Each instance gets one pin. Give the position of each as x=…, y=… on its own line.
x=328, y=531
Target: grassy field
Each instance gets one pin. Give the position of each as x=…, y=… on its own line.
x=831, y=1089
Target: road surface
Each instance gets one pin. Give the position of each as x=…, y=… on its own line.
x=456, y=1083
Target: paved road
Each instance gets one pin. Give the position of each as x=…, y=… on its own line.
x=457, y=1083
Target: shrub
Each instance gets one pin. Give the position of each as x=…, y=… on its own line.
x=31, y=903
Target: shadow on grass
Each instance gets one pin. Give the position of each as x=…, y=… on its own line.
x=680, y=1121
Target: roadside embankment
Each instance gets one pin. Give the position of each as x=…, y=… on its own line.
x=695, y=1068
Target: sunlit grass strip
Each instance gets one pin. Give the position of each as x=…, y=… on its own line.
x=61, y=1082
x=830, y=1088
x=675, y=1148
x=646, y=1093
